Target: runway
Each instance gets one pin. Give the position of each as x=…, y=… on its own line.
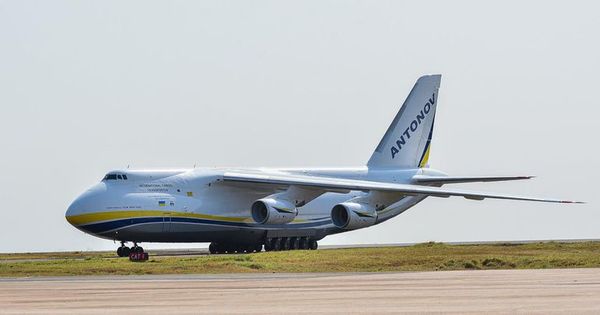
x=500, y=291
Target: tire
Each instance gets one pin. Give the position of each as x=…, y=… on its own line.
x=258, y=248
x=126, y=251
x=313, y=244
x=303, y=243
x=277, y=244
x=120, y=251
x=296, y=243
x=140, y=249
x=285, y=244
x=212, y=248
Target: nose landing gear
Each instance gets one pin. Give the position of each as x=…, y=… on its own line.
x=124, y=251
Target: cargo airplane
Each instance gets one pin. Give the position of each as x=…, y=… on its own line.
x=246, y=210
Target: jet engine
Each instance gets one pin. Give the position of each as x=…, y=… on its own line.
x=351, y=215
x=273, y=211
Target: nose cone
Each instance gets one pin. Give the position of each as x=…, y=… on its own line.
x=86, y=203
x=71, y=211
x=74, y=210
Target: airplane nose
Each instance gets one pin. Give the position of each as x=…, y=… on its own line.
x=88, y=201
x=73, y=210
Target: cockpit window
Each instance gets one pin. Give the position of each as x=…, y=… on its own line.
x=110, y=177
x=115, y=177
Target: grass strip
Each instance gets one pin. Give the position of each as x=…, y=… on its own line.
x=420, y=257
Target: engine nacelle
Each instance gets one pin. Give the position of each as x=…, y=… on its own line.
x=351, y=215
x=273, y=211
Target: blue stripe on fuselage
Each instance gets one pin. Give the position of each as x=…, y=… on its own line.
x=103, y=227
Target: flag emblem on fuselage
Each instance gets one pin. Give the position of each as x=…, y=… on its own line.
x=162, y=203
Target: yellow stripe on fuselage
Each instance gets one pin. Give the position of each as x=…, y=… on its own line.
x=94, y=217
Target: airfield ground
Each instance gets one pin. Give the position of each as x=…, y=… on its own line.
x=548, y=291
x=420, y=257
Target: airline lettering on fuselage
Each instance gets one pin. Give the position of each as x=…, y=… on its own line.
x=414, y=125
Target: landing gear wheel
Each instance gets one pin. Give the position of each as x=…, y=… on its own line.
x=313, y=244
x=277, y=244
x=285, y=244
x=139, y=249
x=303, y=243
x=296, y=243
x=268, y=245
x=258, y=248
x=125, y=251
x=212, y=248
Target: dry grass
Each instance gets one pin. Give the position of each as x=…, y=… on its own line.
x=421, y=257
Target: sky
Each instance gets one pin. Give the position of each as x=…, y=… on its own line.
x=90, y=86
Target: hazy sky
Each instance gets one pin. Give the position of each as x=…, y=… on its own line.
x=86, y=87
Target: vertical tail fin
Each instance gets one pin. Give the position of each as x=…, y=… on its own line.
x=407, y=141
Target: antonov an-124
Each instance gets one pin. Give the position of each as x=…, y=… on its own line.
x=246, y=210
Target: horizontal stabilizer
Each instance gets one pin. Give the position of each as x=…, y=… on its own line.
x=441, y=180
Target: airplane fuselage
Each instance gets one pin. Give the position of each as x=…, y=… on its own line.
x=194, y=206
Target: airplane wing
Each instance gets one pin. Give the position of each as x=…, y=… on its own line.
x=328, y=184
x=439, y=180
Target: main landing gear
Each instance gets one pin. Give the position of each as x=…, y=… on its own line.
x=219, y=248
x=290, y=243
x=271, y=244
x=124, y=251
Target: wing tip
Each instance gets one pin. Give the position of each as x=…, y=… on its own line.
x=524, y=177
x=573, y=202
